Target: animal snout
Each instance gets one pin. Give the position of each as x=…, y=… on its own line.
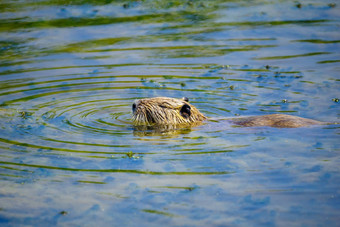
x=135, y=105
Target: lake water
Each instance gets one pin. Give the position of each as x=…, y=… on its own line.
x=70, y=71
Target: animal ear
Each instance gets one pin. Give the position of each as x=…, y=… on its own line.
x=185, y=111
x=186, y=99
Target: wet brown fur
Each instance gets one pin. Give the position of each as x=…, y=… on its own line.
x=162, y=111
x=275, y=120
x=165, y=111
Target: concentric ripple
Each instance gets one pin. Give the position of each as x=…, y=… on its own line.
x=70, y=70
x=96, y=116
x=91, y=114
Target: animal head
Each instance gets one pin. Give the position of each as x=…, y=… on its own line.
x=162, y=111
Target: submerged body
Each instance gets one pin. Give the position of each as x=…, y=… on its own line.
x=275, y=120
x=164, y=111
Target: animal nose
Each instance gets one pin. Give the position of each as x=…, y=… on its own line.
x=134, y=106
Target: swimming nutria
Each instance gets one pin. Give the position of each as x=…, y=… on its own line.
x=163, y=111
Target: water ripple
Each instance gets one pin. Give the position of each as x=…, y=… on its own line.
x=70, y=70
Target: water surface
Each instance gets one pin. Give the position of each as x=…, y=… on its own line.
x=70, y=71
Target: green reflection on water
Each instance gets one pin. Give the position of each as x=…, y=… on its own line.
x=293, y=56
x=317, y=41
x=78, y=66
x=13, y=142
x=147, y=172
x=159, y=212
x=90, y=182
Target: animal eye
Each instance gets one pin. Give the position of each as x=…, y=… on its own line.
x=185, y=111
x=133, y=107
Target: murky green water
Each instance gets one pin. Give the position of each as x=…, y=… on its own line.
x=70, y=70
